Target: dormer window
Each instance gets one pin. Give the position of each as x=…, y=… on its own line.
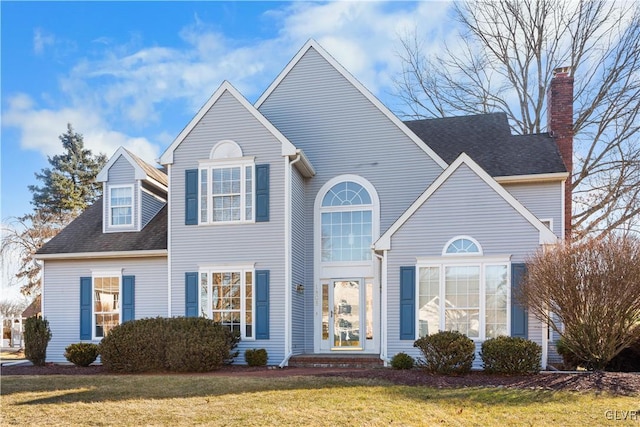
x=121, y=205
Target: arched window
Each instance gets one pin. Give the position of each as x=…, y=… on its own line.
x=462, y=245
x=346, y=223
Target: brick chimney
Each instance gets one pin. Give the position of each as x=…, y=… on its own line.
x=560, y=126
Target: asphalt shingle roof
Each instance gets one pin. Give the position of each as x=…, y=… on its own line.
x=84, y=234
x=152, y=172
x=487, y=139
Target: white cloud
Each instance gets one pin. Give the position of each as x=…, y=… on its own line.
x=41, y=40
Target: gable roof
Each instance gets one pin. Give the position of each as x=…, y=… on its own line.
x=487, y=139
x=312, y=44
x=546, y=236
x=84, y=237
x=288, y=149
x=143, y=170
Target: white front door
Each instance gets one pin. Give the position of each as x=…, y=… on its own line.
x=347, y=317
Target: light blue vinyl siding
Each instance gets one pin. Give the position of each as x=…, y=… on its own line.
x=121, y=173
x=62, y=294
x=464, y=205
x=543, y=199
x=260, y=243
x=301, y=302
x=151, y=205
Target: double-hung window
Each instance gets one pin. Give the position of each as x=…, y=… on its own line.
x=121, y=205
x=106, y=304
x=227, y=297
x=463, y=291
x=226, y=192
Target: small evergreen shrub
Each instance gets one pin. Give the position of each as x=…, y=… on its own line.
x=178, y=344
x=447, y=352
x=36, y=338
x=81, y=354
x=402, y=361
x=256, y=356
x=511, y=355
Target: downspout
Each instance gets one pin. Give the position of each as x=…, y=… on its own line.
x=287, y=258
x=383, y=305
x=545, y=345
x=169, y=228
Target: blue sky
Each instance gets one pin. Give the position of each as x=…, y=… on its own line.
x=135, y=73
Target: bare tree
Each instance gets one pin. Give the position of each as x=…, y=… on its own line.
x=593, y=288
x=503, y=61
x=12, y=308
x=24, y=236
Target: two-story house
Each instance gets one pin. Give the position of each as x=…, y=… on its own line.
x=315, y=221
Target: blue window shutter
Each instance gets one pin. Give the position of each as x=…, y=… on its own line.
x=191, y=295
x=128, y=298
x=408, y=303
x=262, y=193
x=191, y=197
x=519, y=323
x=262, y=305
x=85, y=308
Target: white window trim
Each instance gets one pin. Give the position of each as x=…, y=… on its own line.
x=109, y=212
x=209, y=270
x=210, y=164
x=481, y=262
x=102, y=274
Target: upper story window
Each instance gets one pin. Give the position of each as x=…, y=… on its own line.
x=227, y=185
x=121, y=205
x=346, y=223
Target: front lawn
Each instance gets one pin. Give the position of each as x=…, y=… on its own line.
x=303, y=400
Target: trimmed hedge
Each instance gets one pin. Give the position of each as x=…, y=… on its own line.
x=402, y=361
x=37, y=335
x=447, y=352
x=177, y=344
x=511, y=355
x=256, y=356
x=82, y=354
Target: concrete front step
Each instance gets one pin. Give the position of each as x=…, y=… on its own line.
x=335, y=361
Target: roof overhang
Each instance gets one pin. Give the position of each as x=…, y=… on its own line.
x=303, y=165
x=104, y=255
x=543, y=177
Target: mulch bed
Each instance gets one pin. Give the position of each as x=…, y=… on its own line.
x=610, y=382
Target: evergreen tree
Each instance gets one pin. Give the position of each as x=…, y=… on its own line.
x=68, y=186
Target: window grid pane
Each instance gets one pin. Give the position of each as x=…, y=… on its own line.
x=121, y=206
x=346, y=236
x=106, y=306
x=203, y=195
x=226, y=194
x=231, y=301
x=429, y=301
x=462, y=299
x=496, y=300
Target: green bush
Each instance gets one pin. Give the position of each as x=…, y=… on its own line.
x=256, y=357
x=511, y=355
x=447, y=352
x=82, y=354
x=36, y=338
x=402, y=361
x=179, y=344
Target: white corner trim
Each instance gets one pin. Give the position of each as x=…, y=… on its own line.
x=287, y=147
x=311, y=43
x=169, y=228
x=546, y=236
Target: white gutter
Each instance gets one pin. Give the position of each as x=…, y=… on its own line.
x=105, y=255
x=542, y=177
x=287, y=258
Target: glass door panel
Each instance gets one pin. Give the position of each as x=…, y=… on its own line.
x=346, y=315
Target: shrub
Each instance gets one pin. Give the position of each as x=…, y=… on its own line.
x=447, y=352
x=82, y=354
x=569, y=360
x=256, y=357
x=180, y=344
x=511, y=355
x=36, y=338
x=402, y=361
x=628, y=360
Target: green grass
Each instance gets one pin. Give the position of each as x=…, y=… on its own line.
x=310, y=401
